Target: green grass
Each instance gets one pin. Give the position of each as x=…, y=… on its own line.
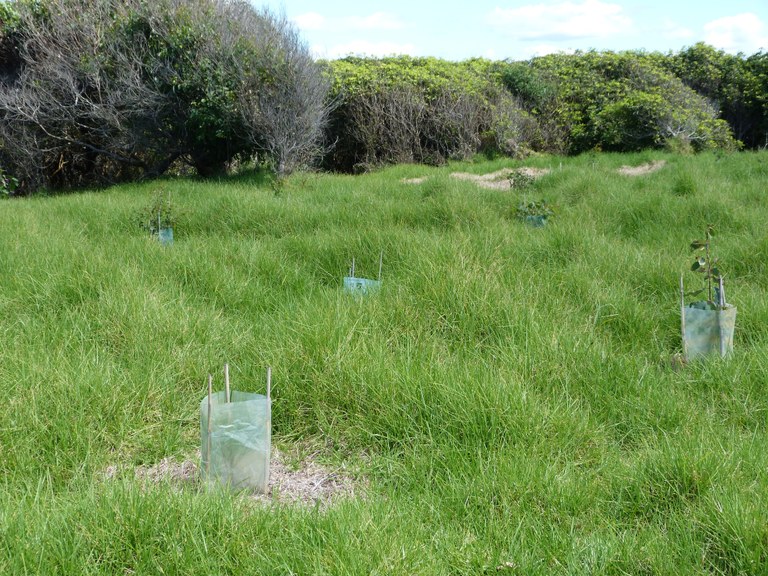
x=507, y=396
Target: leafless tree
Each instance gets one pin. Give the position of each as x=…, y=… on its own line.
x=453, y=126
x=283, y=104
x=403, y=123
x=65, y=119
x=386, y=125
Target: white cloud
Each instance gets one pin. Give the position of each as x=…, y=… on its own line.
x=375, y=21
x=675, y=31
x=319, y=51
x=310, y=21
x=366, y=48
x=741, y=33
x=563, y=21
x=336, y=37
x=544, y=49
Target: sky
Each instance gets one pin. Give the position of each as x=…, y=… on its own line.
x=522, y=29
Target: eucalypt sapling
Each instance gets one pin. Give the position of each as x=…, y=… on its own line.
x=707, y=265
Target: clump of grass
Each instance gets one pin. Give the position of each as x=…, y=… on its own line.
x=684, y=185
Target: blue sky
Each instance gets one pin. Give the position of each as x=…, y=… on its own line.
x=520, y=29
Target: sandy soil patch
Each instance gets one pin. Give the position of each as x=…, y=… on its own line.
x=418, y=180
x=306, y=483
x=499, y=180
x=642, y=169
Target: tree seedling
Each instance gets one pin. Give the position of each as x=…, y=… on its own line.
x=707, y=325
x=535, y=212
x=707, y=265
x=159, y=216
x=535, y=208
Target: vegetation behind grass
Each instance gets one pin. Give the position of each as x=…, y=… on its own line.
x=508, y=395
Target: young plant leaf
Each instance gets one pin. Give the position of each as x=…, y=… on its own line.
x=698, y=264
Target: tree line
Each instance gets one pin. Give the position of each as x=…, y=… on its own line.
x=100, y=91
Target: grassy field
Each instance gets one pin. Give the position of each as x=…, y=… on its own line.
x=508, y=398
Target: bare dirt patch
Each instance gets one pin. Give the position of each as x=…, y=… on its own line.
x=643, y=169
x=304, y=482
x=309, y=483
x=499, y=180
x=418, y=180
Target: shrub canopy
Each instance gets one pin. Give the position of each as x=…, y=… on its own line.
x=95, y=91
x=621, y=102
x=404, y=109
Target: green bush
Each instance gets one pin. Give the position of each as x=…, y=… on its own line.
x=731, y=82
x=422, y=110
x=627, y=101
x=8, y=183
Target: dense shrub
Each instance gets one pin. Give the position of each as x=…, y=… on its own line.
x=404, y=109
x=660, y=113
x=731, y=81
x=625, y=101
x=99, y=90
x=537, y=91
x=756, y=99
x=9, y=40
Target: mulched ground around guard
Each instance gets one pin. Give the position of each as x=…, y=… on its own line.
x=303, y=482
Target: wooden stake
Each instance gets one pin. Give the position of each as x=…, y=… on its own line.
x=682, y=317
x=721, y=292
x=719, y=311
x=381, y=261
x=226, y=384
x=721, y=306
x=269, y=383
x=352, y=271
x=208, y=443
x=720, y=332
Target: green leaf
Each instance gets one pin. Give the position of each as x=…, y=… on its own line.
x=698, y=264
x=698, y=245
